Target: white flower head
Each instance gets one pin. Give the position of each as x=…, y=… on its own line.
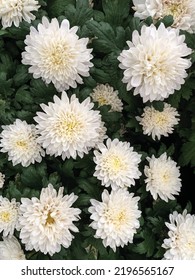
x=69, y=128
x=183, y=11
x=46, y=223
x=155, y=63
x=19, y=140
x=156, y=123
x=106, y=95
x=10, y=249
x=8, y=215
x=14, y=11
x=2, y=180
x=115, y=218
x=162, y=177
x=56, y=54
x=116, y=164
x=181, y=242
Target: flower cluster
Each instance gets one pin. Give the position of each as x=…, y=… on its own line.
x=101, y=156
x=182, y=11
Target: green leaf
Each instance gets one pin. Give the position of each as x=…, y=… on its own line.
x=187, y=153
x=116, y=11
x=167, y=20
x=58, y=7
x=105, y=41
x=3, y=32
x=148, y=245
x=158, y=105
x=23, y=95
x=21, y=77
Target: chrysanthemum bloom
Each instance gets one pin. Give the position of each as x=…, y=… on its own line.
x=8, y=215
x=154, y=64
x=69, y=128
x=2, y=180
x=162, y=177
x=10, y=249
x=14, y=11
x=56, y=54
x=19, y=140
x=181, y=242
x=106, y=95
x=158, y=123
x=46, y=223
x=115, y=219
x=116, y=164
x=183, y=11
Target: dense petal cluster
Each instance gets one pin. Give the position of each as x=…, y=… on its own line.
x=8, y=215
x=183, y=11
x=115, y=218
x=162, y=177
x=106, y=95
x=10, y=249
x=116, y=164
x=19, y=140
x=155, y=63
x=181, y=242
x=14, y=11
x=69, y=128
x=56, y=54
x=158, y=123
x=46, y=223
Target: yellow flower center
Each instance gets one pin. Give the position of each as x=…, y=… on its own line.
x=5, y=217
x=68, y=126
x=58, y=56
x=49, y=220
x=114, y=164
x=160, y=118
x=102, y=101
x=175, y=8
x=117, y=217
x=165, y=177
x=21, y=144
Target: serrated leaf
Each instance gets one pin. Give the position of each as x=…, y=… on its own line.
x=23, y=95
x=148, y=245
x=115, y=11
x=187, y=154
x=105, y=40
x=21, y=77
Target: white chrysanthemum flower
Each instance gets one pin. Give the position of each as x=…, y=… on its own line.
x=158, y=123
x=115, y=219
x=8, y=215
x=154, y=63
x=116, y=164
x=106, y=95
x=14, y=11
x=10, y=249
x=181, y=242
x=2, y=180
x=19, y=140
x=183, y=11
x=162, y=177
x=56, y=54
x=69, y=128
x=46, y=223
